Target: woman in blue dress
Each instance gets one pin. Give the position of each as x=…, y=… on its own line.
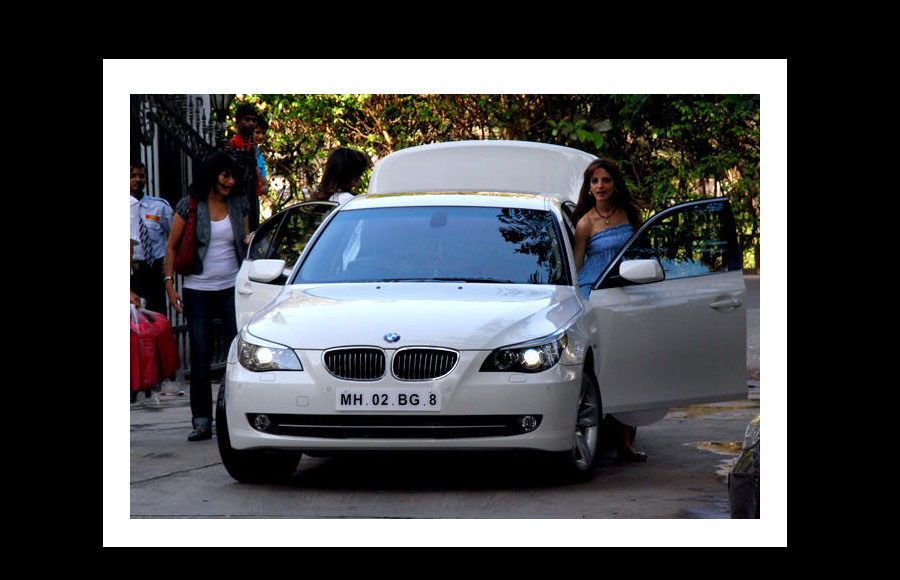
x=605, y=218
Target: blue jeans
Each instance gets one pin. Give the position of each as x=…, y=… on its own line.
x=201, y=307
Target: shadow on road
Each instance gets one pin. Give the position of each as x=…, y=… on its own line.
x=412, y=471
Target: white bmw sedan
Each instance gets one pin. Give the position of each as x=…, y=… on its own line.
x=450, y=318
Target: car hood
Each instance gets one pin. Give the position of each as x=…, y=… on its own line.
x=454, y=315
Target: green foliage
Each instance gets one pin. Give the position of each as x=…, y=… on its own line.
x=671, y=148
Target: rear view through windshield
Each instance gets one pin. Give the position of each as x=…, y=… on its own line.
x=476, y=244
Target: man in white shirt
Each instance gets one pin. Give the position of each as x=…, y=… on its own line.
x=154, y=221
x=135, y=240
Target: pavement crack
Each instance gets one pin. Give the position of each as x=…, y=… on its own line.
x=173, y=473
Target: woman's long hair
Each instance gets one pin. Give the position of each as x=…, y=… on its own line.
x=343, y=166
x=621, y=196
x=208, y=175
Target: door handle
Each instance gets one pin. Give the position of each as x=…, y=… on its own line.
x=246, y=290
x=726, y=304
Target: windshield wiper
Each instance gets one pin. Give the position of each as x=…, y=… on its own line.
x=485, y=280
x=450, y=279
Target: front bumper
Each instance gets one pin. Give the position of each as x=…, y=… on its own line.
x=479, y=410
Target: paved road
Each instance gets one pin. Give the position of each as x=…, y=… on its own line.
x=690, y=451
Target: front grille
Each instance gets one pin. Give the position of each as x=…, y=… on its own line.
x=395, y=426
x=422, y=364
x=355, y=364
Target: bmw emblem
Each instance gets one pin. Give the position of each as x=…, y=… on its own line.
x=392, y=337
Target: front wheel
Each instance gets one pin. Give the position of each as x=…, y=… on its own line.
x=264, y=466
x=579, y=463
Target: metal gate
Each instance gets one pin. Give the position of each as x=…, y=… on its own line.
x=170, y=134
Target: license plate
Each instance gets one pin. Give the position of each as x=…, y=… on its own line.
x=388, y=399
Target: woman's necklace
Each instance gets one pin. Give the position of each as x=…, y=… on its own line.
x=606, y=217
x=218, y=208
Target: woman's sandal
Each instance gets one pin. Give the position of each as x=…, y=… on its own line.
x=631, y=456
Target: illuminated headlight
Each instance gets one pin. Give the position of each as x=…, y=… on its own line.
x=531, y=357
x=258, y=355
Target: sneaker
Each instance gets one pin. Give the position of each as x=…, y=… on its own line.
x=171, y=388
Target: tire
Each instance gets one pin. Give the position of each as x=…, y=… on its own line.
x=579, y=463
x=263, y=466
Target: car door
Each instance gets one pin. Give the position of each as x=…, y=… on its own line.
x=680, y=339
x=282, y=237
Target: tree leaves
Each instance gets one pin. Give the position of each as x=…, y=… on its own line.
x=670, y=147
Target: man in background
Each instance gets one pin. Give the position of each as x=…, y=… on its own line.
x=154, y=221
x=246, y=117
x=259, y=137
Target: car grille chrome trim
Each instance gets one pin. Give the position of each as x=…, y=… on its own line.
x=423, y=363
x=394, y=426
x=355, y=363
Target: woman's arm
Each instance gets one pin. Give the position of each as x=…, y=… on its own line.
x=178, y=225
x=582, y=233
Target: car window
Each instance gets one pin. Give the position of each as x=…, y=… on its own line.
x=521, y=246
x=285, y=236
x=261, y=246
x=694, y=242
x=298, y=226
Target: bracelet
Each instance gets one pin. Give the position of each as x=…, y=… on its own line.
x=167, y=278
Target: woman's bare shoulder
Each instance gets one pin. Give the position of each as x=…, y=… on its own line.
x=585, y=225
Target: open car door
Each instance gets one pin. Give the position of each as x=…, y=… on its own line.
x=282, y=237
x=667, y=320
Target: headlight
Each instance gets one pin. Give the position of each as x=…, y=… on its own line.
x=530, y=357
x=260, y=355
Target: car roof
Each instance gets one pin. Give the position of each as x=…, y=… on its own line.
x=483, y=166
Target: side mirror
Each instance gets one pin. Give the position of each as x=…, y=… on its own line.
x=266, y=270
x=641, y=271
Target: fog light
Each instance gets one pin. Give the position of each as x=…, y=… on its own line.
x=261, y=422
x=528, y=423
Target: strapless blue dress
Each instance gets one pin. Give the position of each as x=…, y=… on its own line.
x=601, y=249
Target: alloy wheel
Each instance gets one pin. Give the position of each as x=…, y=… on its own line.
x=587, y=426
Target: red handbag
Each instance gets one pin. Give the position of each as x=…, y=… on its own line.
x=187, y=249
x=166, y=347
x=144, y=353
x=154, y=352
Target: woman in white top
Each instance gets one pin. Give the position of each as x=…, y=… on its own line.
x=222, y=233
x=341, y=176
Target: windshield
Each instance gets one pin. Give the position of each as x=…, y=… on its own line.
x=474, y=244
